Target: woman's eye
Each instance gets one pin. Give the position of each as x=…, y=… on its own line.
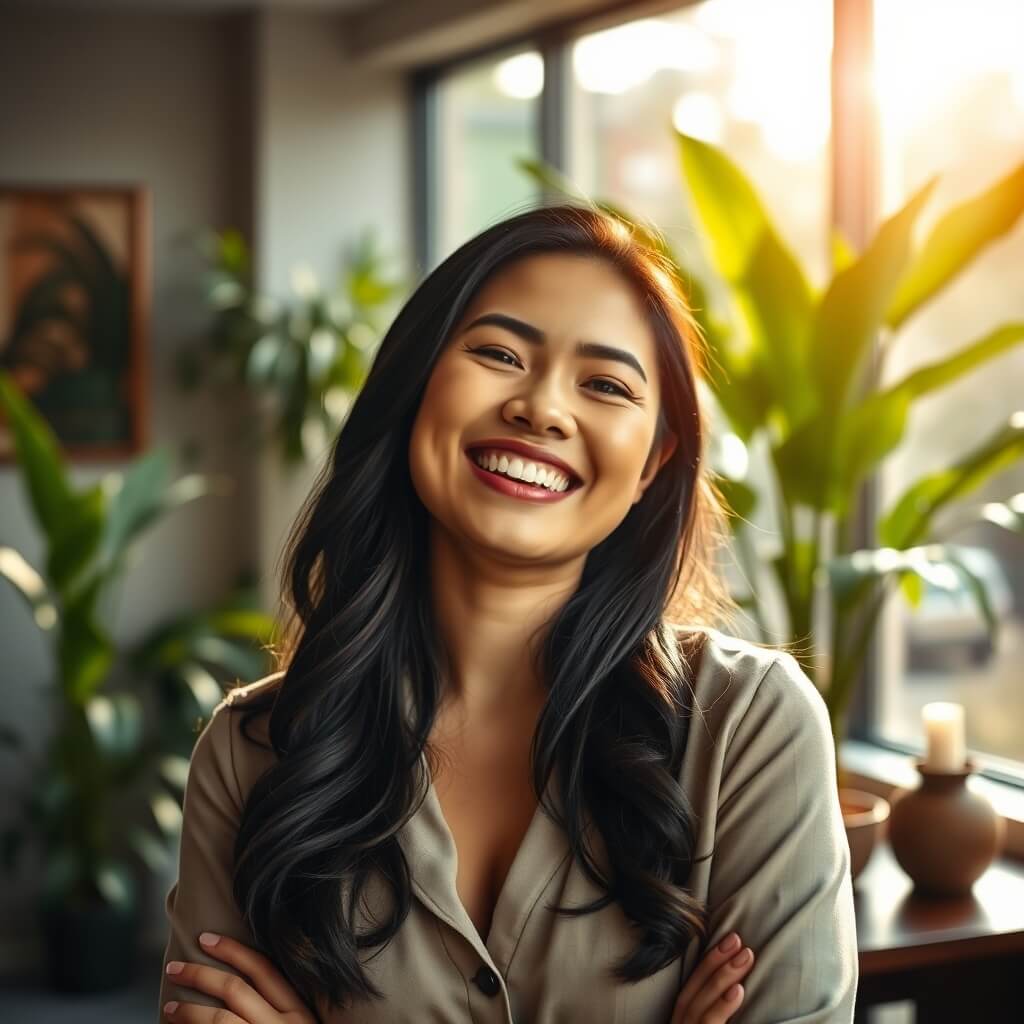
x=617, y=389
x=497, y=352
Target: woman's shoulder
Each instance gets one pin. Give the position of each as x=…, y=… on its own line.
x=236, y=742
x=732, y=675
x=246, y=694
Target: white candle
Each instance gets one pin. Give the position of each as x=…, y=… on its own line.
x=944, y=728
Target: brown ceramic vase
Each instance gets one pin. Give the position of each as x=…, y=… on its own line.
x=943, y=835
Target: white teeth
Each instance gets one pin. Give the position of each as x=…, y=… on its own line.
x=528, y=472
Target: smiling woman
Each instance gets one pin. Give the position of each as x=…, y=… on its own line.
x=476, y=761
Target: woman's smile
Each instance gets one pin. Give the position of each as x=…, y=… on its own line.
x=521, y=489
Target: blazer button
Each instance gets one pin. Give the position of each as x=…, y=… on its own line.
x=487, y=981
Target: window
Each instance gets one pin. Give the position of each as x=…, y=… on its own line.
x=487, y=117
x=956, y=107
x=760, y=85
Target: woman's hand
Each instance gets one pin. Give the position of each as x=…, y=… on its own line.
x=267, y=998
x=712, y=993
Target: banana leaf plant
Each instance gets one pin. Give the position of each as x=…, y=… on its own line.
x=791, y=363
x=117, y=753
x=306, y=358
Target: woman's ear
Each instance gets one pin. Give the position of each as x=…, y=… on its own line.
x=655, y=461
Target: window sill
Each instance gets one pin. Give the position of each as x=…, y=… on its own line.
x=882, y=772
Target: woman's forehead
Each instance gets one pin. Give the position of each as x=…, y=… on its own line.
x=565, y=297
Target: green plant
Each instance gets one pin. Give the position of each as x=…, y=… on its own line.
x=307, y=359
x=791, y=363
x=111, y=753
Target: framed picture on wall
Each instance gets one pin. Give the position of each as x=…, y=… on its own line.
x=74, y=312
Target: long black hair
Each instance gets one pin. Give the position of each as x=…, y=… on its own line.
x=618, y=668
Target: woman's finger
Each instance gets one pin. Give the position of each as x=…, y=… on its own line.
x=263, y=975
x=709, y=1005
x=245, y=1004
x=193, y=1013
x=708, y=964
x=715, y=975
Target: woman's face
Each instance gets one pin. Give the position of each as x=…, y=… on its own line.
x=595, y=411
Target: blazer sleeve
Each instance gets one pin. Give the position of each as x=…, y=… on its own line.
x=780, y=875
x=201, y=899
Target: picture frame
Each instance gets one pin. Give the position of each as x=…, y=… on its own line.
x=74, y=312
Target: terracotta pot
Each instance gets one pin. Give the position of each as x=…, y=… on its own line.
x=864, y=816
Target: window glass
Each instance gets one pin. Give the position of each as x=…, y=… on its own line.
x=730, y=71
x=487, y=118
x=955, y=107
x=741, y=76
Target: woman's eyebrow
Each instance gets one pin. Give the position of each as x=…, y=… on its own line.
x=535, y=336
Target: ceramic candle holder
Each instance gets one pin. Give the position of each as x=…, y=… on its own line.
x=943, y=835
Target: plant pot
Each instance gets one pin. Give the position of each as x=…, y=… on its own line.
x=864, y=816
x=89, y=948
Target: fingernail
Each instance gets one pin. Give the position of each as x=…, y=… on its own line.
x=739, y=961
x=170, y=1007
x=733, y=993
x=175, y=967
x=729, y=943
x=209, y=939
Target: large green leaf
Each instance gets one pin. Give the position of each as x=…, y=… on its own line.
x=957, y=237
x=141, y=496
x=875, y=427
x=85, y=649
x=853, y=306
x=76, y=541
x=817, y=462
x=38, y=454
x=31, y=586
x=134, y=500
x=770, y=290
x=945, y=371
x=115, y=723
x=910, y=517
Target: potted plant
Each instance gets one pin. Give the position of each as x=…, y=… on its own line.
x=790, y=363
x=304, y=359
x=117, y=750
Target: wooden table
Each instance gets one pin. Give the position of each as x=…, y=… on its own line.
x=959, y=959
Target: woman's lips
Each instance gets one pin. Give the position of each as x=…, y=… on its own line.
x=516, y=488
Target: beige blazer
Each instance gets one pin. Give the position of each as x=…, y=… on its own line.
x=760, y=775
